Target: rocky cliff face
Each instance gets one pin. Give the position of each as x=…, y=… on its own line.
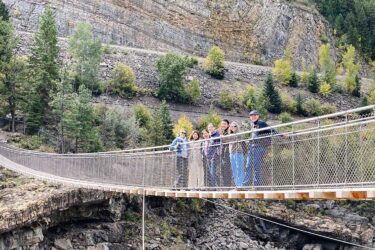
x=248, y=31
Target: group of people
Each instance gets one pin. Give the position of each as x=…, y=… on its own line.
x=216, y=157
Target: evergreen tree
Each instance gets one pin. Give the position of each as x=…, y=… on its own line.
x=4, y=13
x=293, y=82
x=87, y=53
x=261, y=106
x=167, y=125
x=43, y=70
x=357, y=90
x=12, y=72
x=300, y=105
x=193, y=90
x=327, y=66
x=313, y=82
x=274, y=100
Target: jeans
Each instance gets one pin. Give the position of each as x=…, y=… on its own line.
x=213, y=180
x=182, y=171
x=254, y=175
x=237, y=162
x=225, y=169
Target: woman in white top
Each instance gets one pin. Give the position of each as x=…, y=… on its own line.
x=196, y=172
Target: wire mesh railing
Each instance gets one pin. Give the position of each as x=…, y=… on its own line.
x=328, y=151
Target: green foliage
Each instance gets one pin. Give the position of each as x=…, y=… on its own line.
x=272, y=95
x=214, y=64
x=76, y=117
x=313, y=82
x=44, y=70
x=352, y=20
x=261, y=106
x=285, y=117
x=312, y=107
x=4, y=13
x=357, y=90
x=171, y=69
x=123, y=81
x=118, y=131
x=328, y=108
x=226, y=100
x=288, y=104
x=191, y=61
x=183, y=123
x=211, y=117
x=327, y=66
x=371, y=97
x=248, y=98
x=193, y=90
x=352, y=70
x=283, y=71
x=30, y=142
x=161, y=129
x=293, y=82
x=142, y=115
x=300, y=105
x=87, y=53
x=325, y=89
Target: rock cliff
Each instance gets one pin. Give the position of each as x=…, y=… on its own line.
x=248, y=31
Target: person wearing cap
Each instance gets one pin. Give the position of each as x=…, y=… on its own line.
x=259, y=144
x=181, y=147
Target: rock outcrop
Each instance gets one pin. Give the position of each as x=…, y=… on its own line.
x=248, y=31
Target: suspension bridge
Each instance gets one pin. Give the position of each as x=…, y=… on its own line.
x=327, y=157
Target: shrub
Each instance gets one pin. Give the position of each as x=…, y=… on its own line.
x=171, y=70
x=328, y=108
x=211, y=117
x=191, y=61
x=183, y=123
x=30, y=142
x=193, y=90
x=325, y=89
x=248, y=98
x=312, y=107
x=285, y=117
x=226, y=100
x=123, y=81
x=300, y=105
x=214, y=64
x=288, y=104
x=142, y=115
x=371, y=97
x=283, y=71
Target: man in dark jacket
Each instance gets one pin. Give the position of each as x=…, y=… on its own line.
x=259, y=143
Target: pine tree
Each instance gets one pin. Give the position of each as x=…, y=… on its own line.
x=43, y=69
x=4, y=13
x=313, y=82
x=299, y=105
x=167, y=125
x=274, y=100
x=293, y=82
x=357, y=90
x=12, y=72
x=87, y=53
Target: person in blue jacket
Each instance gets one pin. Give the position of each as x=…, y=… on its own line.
x=213, y=156
x=181, y=147
x=259, y=143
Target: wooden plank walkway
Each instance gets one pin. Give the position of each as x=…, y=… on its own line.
x=362, y=193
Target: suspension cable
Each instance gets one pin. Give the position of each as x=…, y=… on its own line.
x=287, y=226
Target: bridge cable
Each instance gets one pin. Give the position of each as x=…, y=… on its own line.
x=287, y=226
